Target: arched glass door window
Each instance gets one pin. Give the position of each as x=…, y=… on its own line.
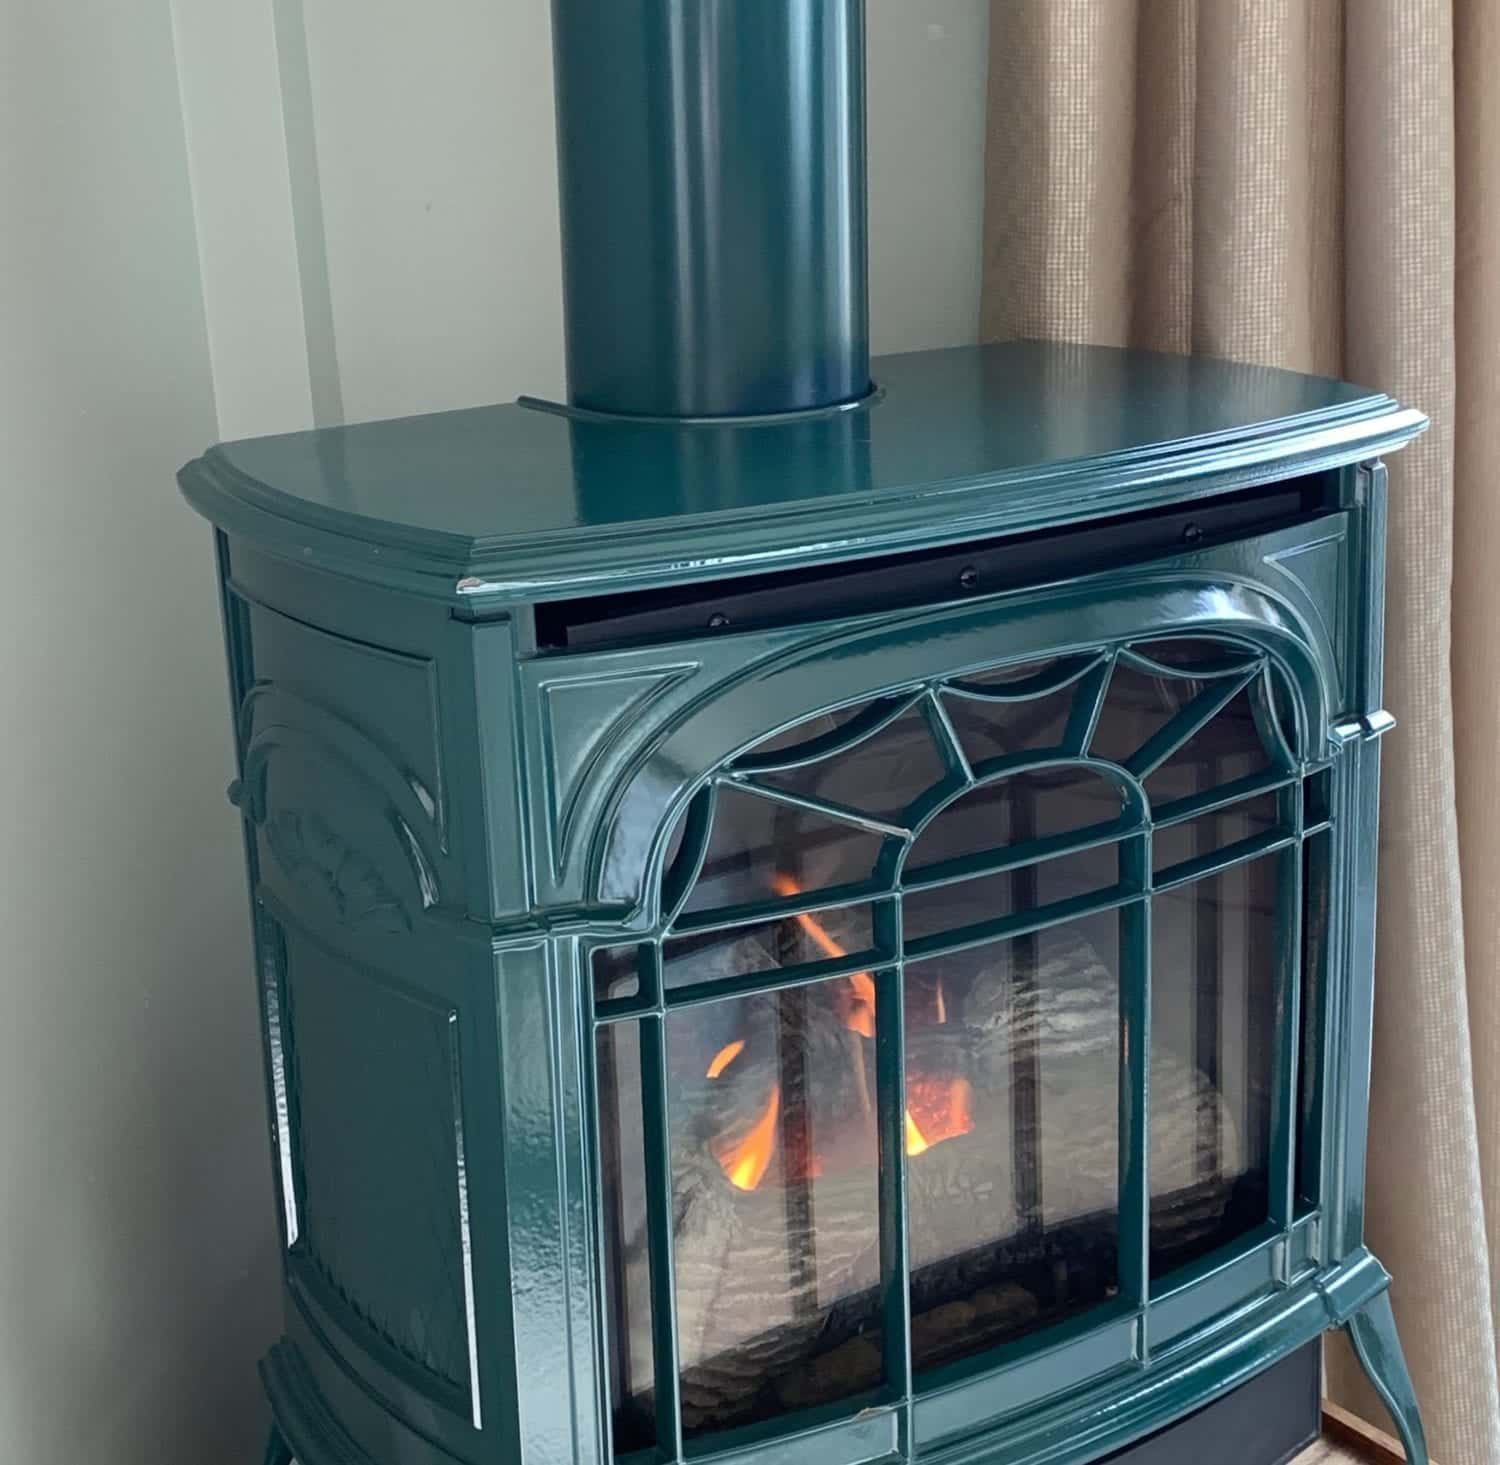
x=872, y=1103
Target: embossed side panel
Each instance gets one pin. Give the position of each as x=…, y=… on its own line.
x=422, y=704
x=343, y=776
x=387, y=697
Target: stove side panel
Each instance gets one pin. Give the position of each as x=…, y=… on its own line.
x=358, y=780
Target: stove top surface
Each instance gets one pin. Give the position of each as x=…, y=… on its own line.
x=525, y=501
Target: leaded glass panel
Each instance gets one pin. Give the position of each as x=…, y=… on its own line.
x=1015, y=1223
x=776, y=1214
x=1213, y=1018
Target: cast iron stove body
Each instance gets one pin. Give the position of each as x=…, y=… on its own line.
x=837, y=933
x=515, y=897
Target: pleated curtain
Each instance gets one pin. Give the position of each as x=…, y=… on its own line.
x=1316, y=184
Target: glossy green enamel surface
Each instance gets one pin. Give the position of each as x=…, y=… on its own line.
x=517, y=502
x=712, y=180
x=442, y=823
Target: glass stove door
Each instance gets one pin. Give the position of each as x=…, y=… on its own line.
x=960, y=1037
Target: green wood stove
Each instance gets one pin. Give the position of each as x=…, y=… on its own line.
x=807, y=910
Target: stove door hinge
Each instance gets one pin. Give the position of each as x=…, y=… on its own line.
x=1361, y=729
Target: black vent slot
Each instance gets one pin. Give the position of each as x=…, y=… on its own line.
x=927, y=577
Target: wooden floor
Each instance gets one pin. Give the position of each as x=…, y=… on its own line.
x=1350, y=1441
x=1329, y=1453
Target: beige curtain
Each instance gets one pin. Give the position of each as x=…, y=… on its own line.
x=1316, y=184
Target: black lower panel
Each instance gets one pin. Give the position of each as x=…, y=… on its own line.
x=1265, y=1422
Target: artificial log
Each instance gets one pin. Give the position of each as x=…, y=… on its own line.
x=753, y=1288
x=760, y=1271
x=857, y=1363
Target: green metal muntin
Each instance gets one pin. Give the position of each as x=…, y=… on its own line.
x=712, y=176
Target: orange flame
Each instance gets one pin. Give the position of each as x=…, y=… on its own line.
x=916, y=1141
x=946, y=1114
x=746, y=1161
x=938, y=1109
x=725, y=1056
x=945, y=1107
x=859, y=1015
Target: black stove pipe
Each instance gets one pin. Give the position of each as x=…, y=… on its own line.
x=712, y=175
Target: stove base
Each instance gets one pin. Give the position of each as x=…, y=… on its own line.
x=1268, y=1421
x=1112, y=1420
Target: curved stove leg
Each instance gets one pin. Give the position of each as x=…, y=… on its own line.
x=278, y=1452
x=1372, y=1330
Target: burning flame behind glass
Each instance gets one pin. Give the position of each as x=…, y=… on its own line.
x=1010, y=1124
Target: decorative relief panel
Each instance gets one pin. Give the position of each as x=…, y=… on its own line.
x=1319, y=571
x=583, y=718
x=389, y=697
x=342, y=773
x=334, y=814
x=308, y=848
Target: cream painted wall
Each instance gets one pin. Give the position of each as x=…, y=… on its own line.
x=435, y=146
x=136, y=1266
x=928, y=69
x=432, y=276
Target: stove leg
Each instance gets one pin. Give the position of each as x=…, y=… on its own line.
x=1372, y=1330
x=278, y=1452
